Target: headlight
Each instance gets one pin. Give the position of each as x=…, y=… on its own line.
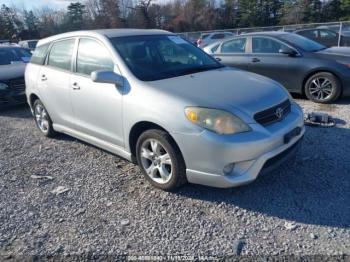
x=215, y=120
x=3, y=86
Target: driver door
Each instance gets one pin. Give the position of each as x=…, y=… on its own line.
x=266, y=60
x=97, y=106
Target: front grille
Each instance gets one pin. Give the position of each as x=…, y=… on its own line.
x=17, y=84
x=270, y=115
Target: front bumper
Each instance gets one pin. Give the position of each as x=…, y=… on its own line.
x=10, y=98
x=261, y=150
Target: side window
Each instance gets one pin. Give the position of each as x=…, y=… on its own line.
x=61, y=54
x=218, y=36
x=92, y=56
x=309, y=33
x=327, y=34
x=234, y=46
x=39, y=54
x=266, y=45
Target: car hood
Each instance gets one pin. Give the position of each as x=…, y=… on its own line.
x=12, y=71
x=335, y=51
x=227, y=89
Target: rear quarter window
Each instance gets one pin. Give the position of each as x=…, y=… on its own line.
x=39, y=54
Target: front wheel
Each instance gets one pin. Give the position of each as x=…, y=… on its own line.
x=160, y=160
x=323, y=87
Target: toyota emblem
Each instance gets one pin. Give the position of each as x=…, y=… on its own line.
x=279, y=112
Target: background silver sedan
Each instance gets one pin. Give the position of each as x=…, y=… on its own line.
x=155, y=99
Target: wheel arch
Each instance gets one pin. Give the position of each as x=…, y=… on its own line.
x=137, y=129
x=32, y=98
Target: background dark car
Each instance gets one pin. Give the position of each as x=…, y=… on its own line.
x=325, y=37
x=301, y=65
x=12, y=65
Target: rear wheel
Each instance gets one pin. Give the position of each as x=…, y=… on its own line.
x=323, y=87
x=42, y=119
x=160, y=160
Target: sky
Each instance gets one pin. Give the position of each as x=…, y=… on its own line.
x=33, y=4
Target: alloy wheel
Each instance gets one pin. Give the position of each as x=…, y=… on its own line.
x=41, y=118
x=321, y=88
x=156, y=161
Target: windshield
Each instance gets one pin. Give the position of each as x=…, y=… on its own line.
x=156, y=57
x=14, y=55
x=302, y=42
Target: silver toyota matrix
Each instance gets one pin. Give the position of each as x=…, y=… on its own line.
x=157, y=100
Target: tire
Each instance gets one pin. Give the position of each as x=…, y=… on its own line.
x=42, y=119
x=323, y=88
x=160, y=160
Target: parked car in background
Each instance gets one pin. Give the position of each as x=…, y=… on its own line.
x=211, y=48
x=326, y=37
x=299, y=64
x=206, y=39
x=3, y=41
x=29, y=44
x=157, y=100
x=12, y=65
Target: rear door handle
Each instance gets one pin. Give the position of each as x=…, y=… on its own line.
x=255, y=60
x=218, y=59
x=43, y=78
x=76, y=86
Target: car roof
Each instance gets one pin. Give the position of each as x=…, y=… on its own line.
x=29, y=40
x=109, y=33
x=268, y=33
x=10, y=46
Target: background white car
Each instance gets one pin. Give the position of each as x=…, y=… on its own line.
x=206, y=39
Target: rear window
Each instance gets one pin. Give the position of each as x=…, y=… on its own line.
x=39, y=54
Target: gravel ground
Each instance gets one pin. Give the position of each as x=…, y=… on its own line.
x=94, y=204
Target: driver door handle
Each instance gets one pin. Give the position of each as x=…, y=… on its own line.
x=255, y=60
x=76, y=86
x=43, y=78
x=218, y=59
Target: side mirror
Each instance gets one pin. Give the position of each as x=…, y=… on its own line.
x=287, y=51
x=108, y=77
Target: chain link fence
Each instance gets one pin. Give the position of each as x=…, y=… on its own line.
x=336, y=30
